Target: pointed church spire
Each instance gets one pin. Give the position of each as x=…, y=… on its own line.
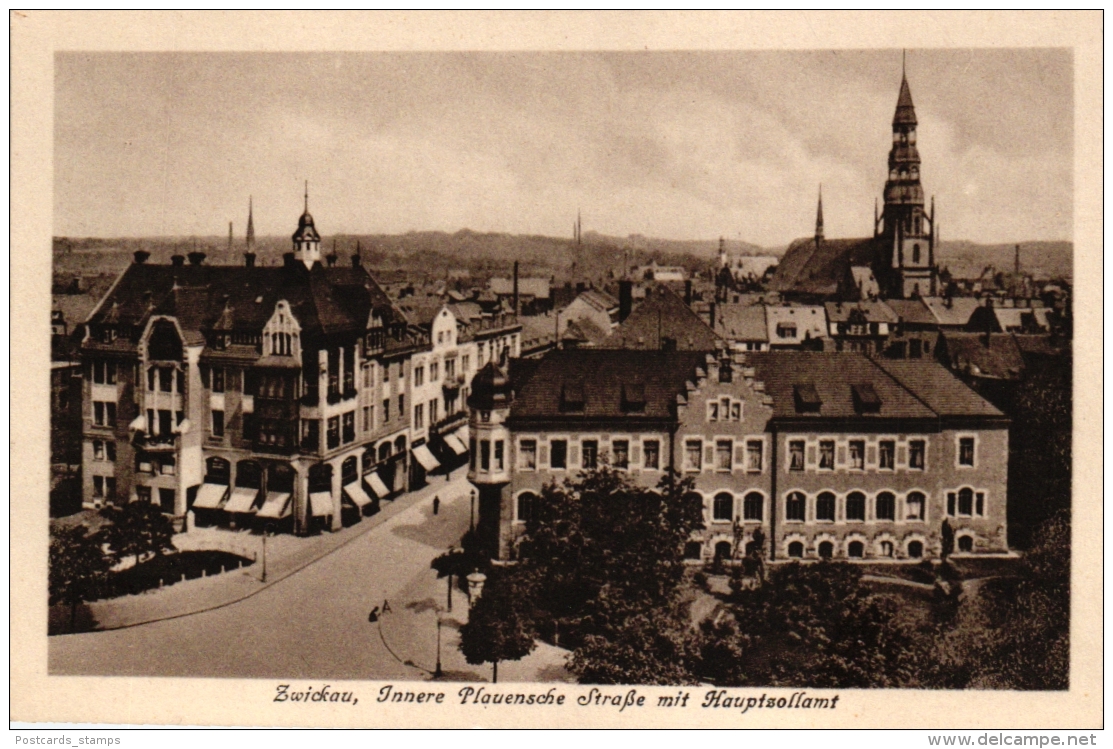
x=250, y=225
x=307, y=196
x=906, y=112
x=819, y=217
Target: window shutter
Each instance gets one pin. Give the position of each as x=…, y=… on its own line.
x=902, y=456
x=709, y=455
x=574, y=456
x=840, y=455
x=543, y=460
x=811, y=456
x=871, y=455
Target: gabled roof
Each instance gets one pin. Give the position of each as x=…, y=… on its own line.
x=911, y=311
x=943, y=393
x=873, y=311
x=599, y=299
x=831, y=378
x=663, y=315
x=741, y=322
x=810, y=321
x=953, y=313
x=817, y=267
x=534, y=287
x=969, y=353
x=598, y=376
x=584, y=330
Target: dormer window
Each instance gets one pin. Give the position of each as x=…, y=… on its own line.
x=633, y=397
x=807, y=398
x=866, y=399
x=572, y=396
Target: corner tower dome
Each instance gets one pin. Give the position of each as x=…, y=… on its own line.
x=307, y=242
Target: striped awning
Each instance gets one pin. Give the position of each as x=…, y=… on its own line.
x=209, y=496
x=356, y=494
x=276, y=506
x=242, y=500
x=377, y=485
x=320, y=504
x=455, y=444
x=425, y=458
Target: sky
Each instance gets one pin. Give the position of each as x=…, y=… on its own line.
x=677, y=145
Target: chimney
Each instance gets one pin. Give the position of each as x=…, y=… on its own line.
x=516, y=307
x=196, y=258
x=331, y=259
x=1016, y=262
x=249, y=259
x=988, y=322
x=141, y=256
x=177, y=260
x=355, y=256
x=625, y=299
x=580, y=287
x=688, y=292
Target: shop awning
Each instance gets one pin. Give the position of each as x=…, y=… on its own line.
x=376, y=483
x=320, y=504
x=242, y=500
x=138, y=424
x=425, y=458
x=455, y=444
x=356, y=494
x=209, y=496
x=276, y=506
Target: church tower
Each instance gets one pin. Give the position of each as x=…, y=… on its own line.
x=307, y=242
x=906, y=227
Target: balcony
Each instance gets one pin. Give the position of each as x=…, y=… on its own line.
x=450, y=423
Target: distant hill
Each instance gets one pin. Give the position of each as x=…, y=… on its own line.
x=436, y=254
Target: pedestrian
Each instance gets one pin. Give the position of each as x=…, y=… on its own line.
x=436, y=504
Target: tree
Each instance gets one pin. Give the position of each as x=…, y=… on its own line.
x=137, y=528
x=78, y=568
x=498, y=627
x=650, y=646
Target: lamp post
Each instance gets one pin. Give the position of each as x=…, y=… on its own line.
x=471, y=522
x=437, y=672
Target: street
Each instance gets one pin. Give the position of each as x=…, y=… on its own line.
x=310, y=625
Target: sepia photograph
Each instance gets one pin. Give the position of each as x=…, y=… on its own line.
x=381, y=375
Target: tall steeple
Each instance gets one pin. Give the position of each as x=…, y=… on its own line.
x=250, y=225
x=819, y=218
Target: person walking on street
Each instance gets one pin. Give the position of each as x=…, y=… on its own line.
x=436, y=504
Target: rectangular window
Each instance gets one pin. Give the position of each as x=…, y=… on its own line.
x=916, y=455
x=827, y=455
x=652, y=449
x=165, y=428
x=527, y=455
x=151, y=378
x=499, y=457
x=736, y=411
x=98, y=486
x=886, y=452
x=433, y=372
x=110, y=451
x=402, y=406
x=471, y=454
x=386, y=409
x=723, y=451
x=165, y=379
x=110, y=488
x=558, y=454
x=966, y=451
x=311, y=435
x=590, y=454
x=349, y=427
x=693, y=455
x=434, y=411
x=349, y=371
x=449, y=369
x=419, y=376
x=98, y=450
x=98, y=413
x=485, y=455
x=98, y=372
x=367, y=418
x=857, y=454
x=713, y=411
x=142, y=463
x=167, y=465
x=218, y=423
x=218, y=379
x=386, y=372
x=419, y=416
x=754, y=456
x=796, y=455
x=621, y=450
x=333, y=432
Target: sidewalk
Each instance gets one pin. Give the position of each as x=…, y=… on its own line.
x=409, y=632
x=286, y=555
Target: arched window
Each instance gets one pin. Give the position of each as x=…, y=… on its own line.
x=384, y=451
x=966, y=543
x=855, y=506
x=914, y=506
x=526, y=501
x=753, y=506
x=723, y=550
x=794, y=506
x=915, y=549
x=886, y=506
x=826, y=550
x=966, y=501
x=855, y=549
x=825, y=506
x=723, y=506
x=796, y=549
x=693, y=550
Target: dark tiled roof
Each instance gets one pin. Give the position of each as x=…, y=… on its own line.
x=601, y=374
x=663, y=315
x=969, y=354
x=832, y=375
x=954, y=312
x=939, y=389
x=811, y=267
x=324, y=300
x=906, y=113
x=584, y=330
x=741, y=322
x=911, y=311
x=872, y=311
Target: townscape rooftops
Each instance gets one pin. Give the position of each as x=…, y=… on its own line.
x=599, y=299
x=943, y=393
x=911, y=311
x=952, y=312
x=663, y=315
x=810, y=321
x=996, y=357
x=534, y=287
x=584, y=384
x=872, y=311
x=741, y=322
x=816, y=267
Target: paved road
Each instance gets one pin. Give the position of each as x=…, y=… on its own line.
x=310, y=625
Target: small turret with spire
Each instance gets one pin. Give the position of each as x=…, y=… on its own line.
x=307, y=242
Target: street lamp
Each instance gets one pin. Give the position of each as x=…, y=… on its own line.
x=471, y=523
x=437, y=672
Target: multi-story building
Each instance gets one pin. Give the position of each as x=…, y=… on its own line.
x=248, y=394
x=862, y=326
x=831, y=455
